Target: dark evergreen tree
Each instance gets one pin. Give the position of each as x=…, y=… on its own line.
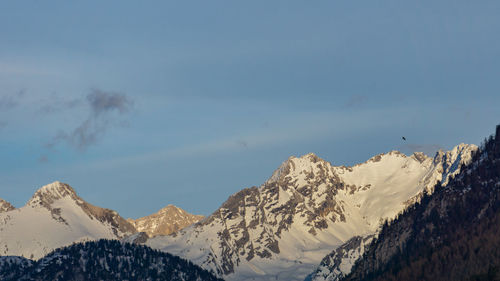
x=104, y=260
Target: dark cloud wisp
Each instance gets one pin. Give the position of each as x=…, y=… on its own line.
x=101, y=102
x=101, y=118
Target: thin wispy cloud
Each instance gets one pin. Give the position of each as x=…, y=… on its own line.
x=57, y=104
x=103, y=102
x=103, y=109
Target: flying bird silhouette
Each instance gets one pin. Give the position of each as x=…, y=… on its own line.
x=404, y=138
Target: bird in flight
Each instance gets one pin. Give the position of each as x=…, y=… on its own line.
x=404, y=138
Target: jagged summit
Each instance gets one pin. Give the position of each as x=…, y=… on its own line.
x=167, y=220
x=296, y=164
x=5, y=206
x=51, y=192
x=451, y=160
x=168, y=208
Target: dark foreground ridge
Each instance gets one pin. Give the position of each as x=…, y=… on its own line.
x=103, y=260
x=453, y=234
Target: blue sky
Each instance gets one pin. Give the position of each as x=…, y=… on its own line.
x=139, y=105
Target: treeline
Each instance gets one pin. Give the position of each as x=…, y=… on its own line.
x=107, y=260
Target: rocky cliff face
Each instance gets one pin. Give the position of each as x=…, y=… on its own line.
x=166, y=221
x=56, y=216
x=340, y=261
x=284, y=228
x=5, y=206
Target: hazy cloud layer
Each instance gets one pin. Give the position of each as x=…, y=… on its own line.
x=103, y=106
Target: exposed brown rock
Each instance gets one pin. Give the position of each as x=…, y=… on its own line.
x=5, y=206
x=166, y=221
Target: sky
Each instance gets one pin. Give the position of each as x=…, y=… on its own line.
x=140, y=104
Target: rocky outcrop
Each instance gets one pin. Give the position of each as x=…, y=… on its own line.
x=5, y=206
x=166, y=221
x=340, y=261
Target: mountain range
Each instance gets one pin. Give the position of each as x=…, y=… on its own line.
x=308, y=213
x=56, y=216
x=307, y=209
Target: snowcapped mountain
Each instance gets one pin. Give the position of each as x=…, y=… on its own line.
x=445, y=166
x=452, y=234
x=54, y=217
x=283, y=229
x=166, y=221
x=5, y=206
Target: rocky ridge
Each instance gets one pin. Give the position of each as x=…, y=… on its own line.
x=5, y=206
x=445, y=165
x=56, y=216
x=284, y=228
x=451, y=234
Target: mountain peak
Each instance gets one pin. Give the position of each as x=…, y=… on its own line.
x=304, y=162
x=311, y=156
x=169, y=209
x=167, y=220
x=51, y=192
x=5, y=206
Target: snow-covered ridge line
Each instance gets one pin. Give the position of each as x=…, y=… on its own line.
x=307, y=208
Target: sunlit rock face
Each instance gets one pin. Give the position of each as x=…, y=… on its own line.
x=166, y=221
x=308, y=208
